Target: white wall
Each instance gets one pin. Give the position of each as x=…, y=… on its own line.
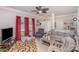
x=47, y=22
x=78, y=26
x=62, y=18
x=78, y=21
x=8, y=17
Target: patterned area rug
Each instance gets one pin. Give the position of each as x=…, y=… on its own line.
x=27, y=46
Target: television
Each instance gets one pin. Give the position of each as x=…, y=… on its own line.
x=7, y=33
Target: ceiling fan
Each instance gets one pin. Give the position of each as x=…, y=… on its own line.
x=40, y=10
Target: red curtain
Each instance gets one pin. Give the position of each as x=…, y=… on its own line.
x=18, y=28
x=33, y=26
x=26, y=26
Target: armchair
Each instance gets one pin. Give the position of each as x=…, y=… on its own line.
x=40, y=33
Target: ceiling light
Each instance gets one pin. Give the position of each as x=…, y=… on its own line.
x=40, y=11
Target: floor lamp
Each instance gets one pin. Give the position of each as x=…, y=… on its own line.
x=75, y=20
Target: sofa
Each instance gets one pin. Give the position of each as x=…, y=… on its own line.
x=60, y=41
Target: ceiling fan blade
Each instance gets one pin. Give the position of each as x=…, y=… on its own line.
x=46, y=9
x=39, y=7
x=40, y=10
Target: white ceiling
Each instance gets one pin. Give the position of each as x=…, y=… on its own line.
x=58, y=10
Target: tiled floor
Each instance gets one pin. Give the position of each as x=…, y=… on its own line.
x=41, y=47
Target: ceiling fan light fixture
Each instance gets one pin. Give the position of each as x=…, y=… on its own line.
x=40, y=11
